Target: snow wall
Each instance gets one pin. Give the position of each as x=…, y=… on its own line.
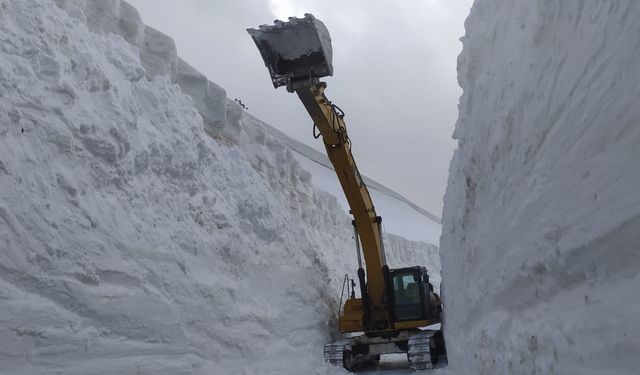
x=541, y=224
x=147, y=225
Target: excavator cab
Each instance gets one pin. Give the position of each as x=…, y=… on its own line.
x=413, y=296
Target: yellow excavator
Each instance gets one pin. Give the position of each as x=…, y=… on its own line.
x=396, y=305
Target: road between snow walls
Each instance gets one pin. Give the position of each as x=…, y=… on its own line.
x=146, y=224
x=541, y=225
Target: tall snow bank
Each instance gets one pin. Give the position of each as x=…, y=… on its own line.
x=146, y=226
x=541, y=227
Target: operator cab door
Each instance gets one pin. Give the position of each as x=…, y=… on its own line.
x=408, y=292
x=412, y=295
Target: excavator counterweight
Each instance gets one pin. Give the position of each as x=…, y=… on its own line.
x=395, y=305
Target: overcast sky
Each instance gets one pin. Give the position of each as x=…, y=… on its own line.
x=394, y=76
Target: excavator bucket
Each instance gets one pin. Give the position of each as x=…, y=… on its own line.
x=299, y=49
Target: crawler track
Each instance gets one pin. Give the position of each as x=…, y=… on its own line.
x=423, y=348
x=421, y=352
x=333, y=352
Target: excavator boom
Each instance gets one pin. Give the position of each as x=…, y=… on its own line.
x=297, y=53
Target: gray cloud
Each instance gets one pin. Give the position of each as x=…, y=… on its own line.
x=394, y=75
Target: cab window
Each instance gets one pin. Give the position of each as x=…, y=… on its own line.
x=406, y=290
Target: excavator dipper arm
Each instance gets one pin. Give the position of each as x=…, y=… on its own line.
x=331, y=125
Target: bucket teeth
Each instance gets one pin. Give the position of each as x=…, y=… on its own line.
x=299, y=49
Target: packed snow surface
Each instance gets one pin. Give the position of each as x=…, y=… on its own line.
x=147, y=225
x=541, y=222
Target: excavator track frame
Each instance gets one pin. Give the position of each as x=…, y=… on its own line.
x=424, y=349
